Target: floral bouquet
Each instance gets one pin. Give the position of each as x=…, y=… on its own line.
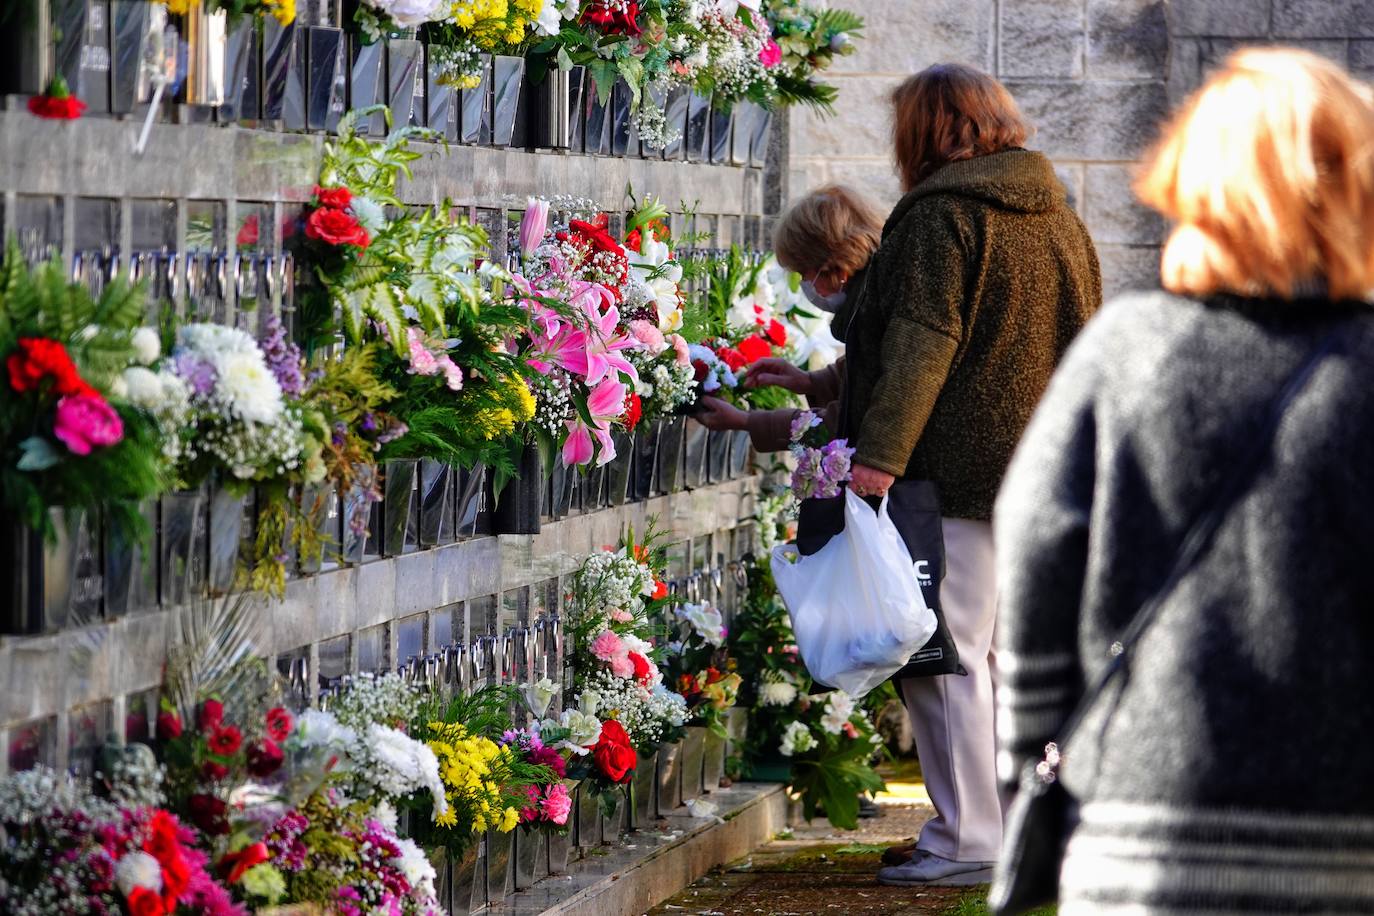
x=809, y=36
x=822, y=464
x=705, y=673
x=548, y=803
x=467, y=28
x=735, y=56
x=71, y=437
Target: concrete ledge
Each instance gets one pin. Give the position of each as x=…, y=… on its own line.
x=650, y=866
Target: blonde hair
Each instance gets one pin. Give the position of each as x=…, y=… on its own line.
x=833, y=231
x=1268, y=172
x=950, y=112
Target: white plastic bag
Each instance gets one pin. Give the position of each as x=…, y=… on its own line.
x=856, y=607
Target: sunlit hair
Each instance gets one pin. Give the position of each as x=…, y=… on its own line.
x=831, y=232
x=950, y=112
x=1268, y=172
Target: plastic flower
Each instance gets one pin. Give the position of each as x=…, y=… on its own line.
x=57, y=102
x=87, y=421
x=839, y=706
x=39, y=359
x=225, y=739
x=336, y=227
x=556, y=804
x=539, y=695
x=278, y=723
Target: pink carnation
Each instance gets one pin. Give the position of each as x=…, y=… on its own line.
x=621, y=666
x=620, y=615
x=422, y=362
x=608, y=647
x=771, y=54
x=453, y=375
x=682, y=349
x=556, y=804
x=650, y=336
x=86, y=421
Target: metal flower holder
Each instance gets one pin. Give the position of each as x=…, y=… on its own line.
x=670, y=776
x=693, y=759
x=644, y=793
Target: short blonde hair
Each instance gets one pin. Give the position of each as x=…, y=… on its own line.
x=832, y=231
x=1268, y=172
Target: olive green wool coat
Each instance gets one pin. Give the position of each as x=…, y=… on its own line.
x=984, y=276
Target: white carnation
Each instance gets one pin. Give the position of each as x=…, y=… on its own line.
x=138, y=869
x=416, y=867
x=147, y=345
x=777, y=693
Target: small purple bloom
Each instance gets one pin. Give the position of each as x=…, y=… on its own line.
x=198, y=374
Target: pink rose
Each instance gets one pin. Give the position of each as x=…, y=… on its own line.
x=682, y=349
x=556, y=804
x=608, y=646
x=771, y=54
x=86, y=421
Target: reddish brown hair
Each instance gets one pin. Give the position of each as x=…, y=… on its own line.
x=950, y=112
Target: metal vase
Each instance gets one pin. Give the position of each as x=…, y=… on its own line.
x=405, y=81
x=508, y=75
x=713, y=761
x=670, y=777
x=319, y=506
x=588, y=817
x=468, y=881
x=206, y=36
x=741, y=453
x=181, y=564
x=593, y=487
x=442, y=100
x=671, y=451
x=326, y=87
x=436, y=500
x=283, y=74
x=44, y=588
x=693, y=759
x=398, y=502
x=736, y=727
x=468, y=499
x=597, y=140
x=130, y=567
x=227, y=508
x=560, y=846
x=475, y=109
x=563, y=486
x=675, y=112
x=500, y=865
x=694, y=453
x=646, y=459
x=620, y=469
x=722, y=120
x=763, y=130
x=576, y=112
x=624, y=137
x=747, y=117
x=531, y=856
x=518, y=506
x=657, y=96
x=443, y=874
x=718, y=456
x=550, y=107
x=355, y=517
x=240, y=52
x=367, y=82
x=697, y=141
x=644, y=792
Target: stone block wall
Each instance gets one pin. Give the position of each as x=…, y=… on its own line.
x=1096, y=78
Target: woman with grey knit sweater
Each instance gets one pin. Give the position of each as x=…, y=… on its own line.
x=1231, y=767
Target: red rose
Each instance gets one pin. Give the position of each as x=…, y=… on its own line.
x=613, y=17
x=225, y=740
x=597, y=236
x=207, y=813
x=754, y=348
x=614, y=756
x=168, y=726
x=143, y=902
x=248, y=232
x=660, y=591
x=40, y=358
x=700, y=370
x=264, y=759
x=278, y=724
x=211, y=771
x=236, y=863
x=336, y=227
x=634, y=240
x=642, y=667
x=713, y=675
x=777, y=333
x=211, y=715
x=339, y=198
x=732, y=358
x=634, y=409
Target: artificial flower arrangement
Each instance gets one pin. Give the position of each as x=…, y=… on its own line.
x=614, y=599
x=56, y=102
x=827, y=741
x=71, y=435
x=701, y=666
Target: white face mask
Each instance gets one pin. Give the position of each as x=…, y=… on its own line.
x=828, y=303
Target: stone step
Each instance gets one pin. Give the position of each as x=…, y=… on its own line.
x=649, y=866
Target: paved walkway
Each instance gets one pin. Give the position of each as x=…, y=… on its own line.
x=819, y=870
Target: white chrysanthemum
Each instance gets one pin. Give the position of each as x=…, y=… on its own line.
x=796, y=739
x=384, y=813
x=777, y=693
x=143, y=387
x=214, y=340
x=147, y=345
x=138, y=869
x=410, y=14
x=317, y=728
x=839, y=706
x=416, y=867
x=402, y=765
x=249, y=387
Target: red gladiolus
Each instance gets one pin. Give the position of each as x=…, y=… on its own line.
x=613, y=754
x=777, y=333
x=142, y=901
x=212, y=770
x=40, y=358
x=207, y=813
x=278, y=724
x=336, y=227
x=168, y=726
x=660, y=591
x=57, y=102
x=225, y=740
x=754, y=348
x=732, y=358
x=634, y=409
x=264, y=759
x=339, y=198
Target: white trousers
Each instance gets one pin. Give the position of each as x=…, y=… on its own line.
x=952, y=716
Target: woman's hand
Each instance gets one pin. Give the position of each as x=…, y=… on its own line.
x=867, y=481
x=780, y=372
x=720, y=415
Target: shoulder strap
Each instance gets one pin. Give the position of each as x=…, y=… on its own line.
x=1194, y=545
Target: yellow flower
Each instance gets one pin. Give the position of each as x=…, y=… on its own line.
x=177, y=7
x=284, y=11
x=509, y=818
x=448, y=819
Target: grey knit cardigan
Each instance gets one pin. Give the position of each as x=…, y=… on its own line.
x=1235, y=772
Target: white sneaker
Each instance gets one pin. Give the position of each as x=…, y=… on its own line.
x=928, y=868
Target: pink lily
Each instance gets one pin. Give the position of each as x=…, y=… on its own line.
x=604, y=343
x=605, y=404
x=533, y=225
x=567, y=349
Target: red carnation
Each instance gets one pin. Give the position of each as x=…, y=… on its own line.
x=40, y=358
x=212, y=770
x=754, y=348
x=597, y=236
x=777, y=333
x=614, y=756
x=643, y=670
x=634, y=409
x=338, y=198
x=700, y=370
x=168, y=726
x=225, y=740
x=207, y=813
x=336, y=227
x=732, y=358
x=162, y=844
x=57, y=102
x=278, y=724
x=142, y=901
x=211, y=715
x=264, y=759
x=634, y=240
x=660, y=591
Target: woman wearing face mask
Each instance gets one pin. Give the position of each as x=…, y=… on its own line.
x=828, y=237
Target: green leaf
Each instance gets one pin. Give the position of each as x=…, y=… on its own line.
x=39, y=455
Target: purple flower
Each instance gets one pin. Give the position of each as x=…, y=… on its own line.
x=198, y=374
x=283, y=358
x=368, y=424
x=803, y=423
